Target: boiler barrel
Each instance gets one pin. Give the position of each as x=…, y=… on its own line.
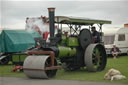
x=66, y=51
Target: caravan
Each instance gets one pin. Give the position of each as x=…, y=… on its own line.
x=120, y=39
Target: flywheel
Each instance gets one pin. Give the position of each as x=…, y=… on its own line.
x=85, y=38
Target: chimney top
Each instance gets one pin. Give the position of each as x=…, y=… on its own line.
x=51, y=9
x=126, y=25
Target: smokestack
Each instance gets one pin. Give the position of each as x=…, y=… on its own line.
x=125, y=25
x=51, y=23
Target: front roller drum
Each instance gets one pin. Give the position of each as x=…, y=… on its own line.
x=35, y=66
x=95, y=57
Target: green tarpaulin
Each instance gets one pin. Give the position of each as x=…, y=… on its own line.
x=16, y=40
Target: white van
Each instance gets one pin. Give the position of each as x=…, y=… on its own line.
x=120, y=39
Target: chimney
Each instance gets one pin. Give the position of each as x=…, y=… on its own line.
x=125, y=25
x=51, y=23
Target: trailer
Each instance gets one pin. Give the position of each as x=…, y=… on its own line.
x=15, y=42
x=119, y=38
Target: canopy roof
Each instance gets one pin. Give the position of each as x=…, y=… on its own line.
x=79, y=20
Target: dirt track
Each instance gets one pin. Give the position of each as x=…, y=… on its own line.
x=27, y=81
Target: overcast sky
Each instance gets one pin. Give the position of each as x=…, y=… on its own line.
x=14, y=13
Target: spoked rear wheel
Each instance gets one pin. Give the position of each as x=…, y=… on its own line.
x=95, y=57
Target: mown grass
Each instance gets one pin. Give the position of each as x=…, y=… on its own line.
x=6, y=71
x=120, y=64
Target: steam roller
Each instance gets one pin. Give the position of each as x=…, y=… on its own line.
x=74, y=51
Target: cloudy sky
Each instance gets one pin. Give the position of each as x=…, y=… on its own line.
x=14, y=12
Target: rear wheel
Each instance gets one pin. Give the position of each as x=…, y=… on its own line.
x=95, y=57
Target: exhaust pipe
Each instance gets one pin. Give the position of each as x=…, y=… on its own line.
x=51, y=23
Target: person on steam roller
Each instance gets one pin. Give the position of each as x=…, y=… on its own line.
x=95, y=35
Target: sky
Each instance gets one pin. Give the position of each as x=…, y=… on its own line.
x=13, y=13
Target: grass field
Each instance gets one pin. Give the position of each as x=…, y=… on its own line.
x=120, y=64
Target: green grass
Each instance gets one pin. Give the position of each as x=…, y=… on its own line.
x=6, y=71
x=120, y=64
